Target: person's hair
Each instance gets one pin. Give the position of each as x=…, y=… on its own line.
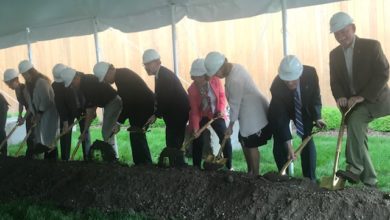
x=35, y=75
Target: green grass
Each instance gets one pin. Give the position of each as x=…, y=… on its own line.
x=28, y=210
x=379, y=150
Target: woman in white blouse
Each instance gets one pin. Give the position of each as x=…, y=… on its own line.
x=247, y=106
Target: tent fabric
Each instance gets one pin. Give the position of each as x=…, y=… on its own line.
x=51, y=19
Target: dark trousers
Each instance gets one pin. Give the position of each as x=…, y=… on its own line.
x=175, y=131
x=308, y=157
x=140, y=148
x=219, y=127
x=30, y=140
x=66, y=140
x=3, y=119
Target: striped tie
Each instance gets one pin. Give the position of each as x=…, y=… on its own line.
x=298, y=114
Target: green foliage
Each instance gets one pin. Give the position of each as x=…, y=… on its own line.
x=380, y=124
x=332, y=117
x=159, y=123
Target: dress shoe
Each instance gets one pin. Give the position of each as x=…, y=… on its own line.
x=348, y=175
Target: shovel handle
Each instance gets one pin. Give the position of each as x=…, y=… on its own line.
x=24, y=141
x=339, y=144
x=297, y=152
x=76, y=149
x=204, y=127
x=225, y=138
x=8, y=136
x=52, y=146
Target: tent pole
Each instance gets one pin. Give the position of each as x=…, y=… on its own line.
x=96, y=39
x=284, y=26
x=174, y=40
x=285, y=53
x=29, y=51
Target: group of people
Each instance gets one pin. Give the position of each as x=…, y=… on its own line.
x=359, y=73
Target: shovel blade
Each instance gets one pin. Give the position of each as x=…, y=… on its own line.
x=332, y=183
x=276, y=177
x=212, y=166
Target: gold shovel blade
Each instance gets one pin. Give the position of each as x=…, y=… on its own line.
x=332, y=183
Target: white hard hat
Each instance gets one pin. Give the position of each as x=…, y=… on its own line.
x=339, y=21
x=67, y=76
x=57, y=69
x=25, y=66
x=213, y=62
x=100, y=70
x=198, y=68
x=150, y=55
x=10, y=74
x=290, y=68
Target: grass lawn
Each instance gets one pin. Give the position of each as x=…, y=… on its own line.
x=379, y=150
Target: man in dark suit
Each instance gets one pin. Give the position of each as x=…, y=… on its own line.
x=138, y=105
x=359, y=72
x=295, y=96
x=171, y=99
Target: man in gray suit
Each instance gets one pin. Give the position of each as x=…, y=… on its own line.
x=359, y=72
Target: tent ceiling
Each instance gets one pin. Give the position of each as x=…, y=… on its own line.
x=51, y=19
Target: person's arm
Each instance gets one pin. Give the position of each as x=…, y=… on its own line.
x=379, y=72
x=20, y=115
x=221, y=96
x=235, y=96
x=194, y=114
x=336, y=84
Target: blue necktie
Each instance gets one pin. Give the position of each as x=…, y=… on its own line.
x=298, y=114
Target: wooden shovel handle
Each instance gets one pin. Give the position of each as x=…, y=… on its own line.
x=8, y=136
x=297, y=152
x=52, y=146
x=225, y=138
x=24, y=141
x=204, y=127
x=339, y=142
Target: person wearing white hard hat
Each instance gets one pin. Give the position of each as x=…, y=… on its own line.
x=45, y=112
x=172, y=103
x=359, y=73
x=66, y=104
x=247, y=105
x=96, y=94
x=11, y=78
x=295, y=96
x=207, y=101
x=138, y=106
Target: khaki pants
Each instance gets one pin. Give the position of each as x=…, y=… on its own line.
x=110, y=116
x=357, y=155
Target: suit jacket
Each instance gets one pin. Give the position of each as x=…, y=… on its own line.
x=370, y=71
x=137, y=98
x=195, y=99
x=172, y=99
x=281, y=109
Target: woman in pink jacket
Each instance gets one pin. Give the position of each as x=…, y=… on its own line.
x=207, y=101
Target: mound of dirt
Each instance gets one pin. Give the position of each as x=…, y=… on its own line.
x=184, y=193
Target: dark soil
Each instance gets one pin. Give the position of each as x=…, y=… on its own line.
x=182, y=193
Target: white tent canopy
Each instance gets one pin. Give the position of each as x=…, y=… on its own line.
x=51, y=19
